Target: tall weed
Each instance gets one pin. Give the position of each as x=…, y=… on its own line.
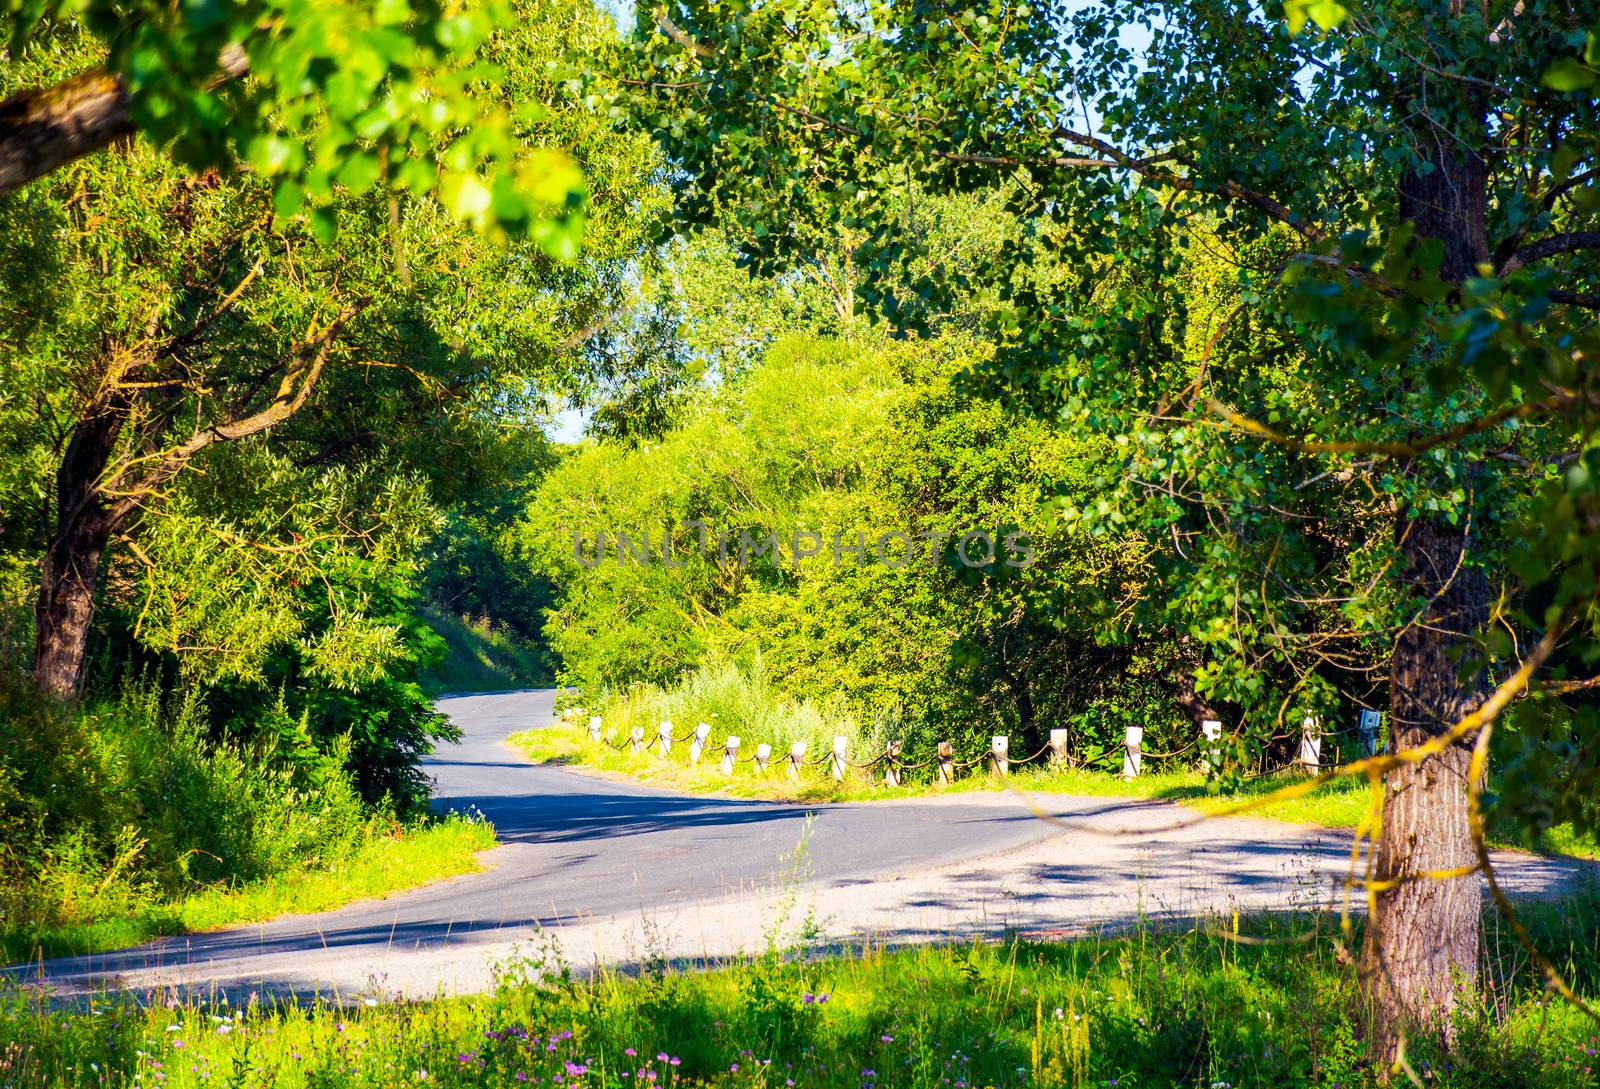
x=743, y=700
x=127, y=800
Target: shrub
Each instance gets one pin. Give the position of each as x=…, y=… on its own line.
x=744, y=701
x=127, y=800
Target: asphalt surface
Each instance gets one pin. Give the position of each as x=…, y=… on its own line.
x=620, y=873
x=575, y=848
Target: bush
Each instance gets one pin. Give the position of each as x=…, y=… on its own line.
x=744, y=701
x=127, y=800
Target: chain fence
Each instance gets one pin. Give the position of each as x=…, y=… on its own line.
x=1209, y=751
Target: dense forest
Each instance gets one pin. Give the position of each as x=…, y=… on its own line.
x=1245, y=375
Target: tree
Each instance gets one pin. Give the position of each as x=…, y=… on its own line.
x=153, y=316
x=1378, y=463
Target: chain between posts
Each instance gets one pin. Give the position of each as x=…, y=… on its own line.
x=1366, y=732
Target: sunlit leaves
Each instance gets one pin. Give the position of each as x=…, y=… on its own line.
x=337, y=94
x=1326, y=14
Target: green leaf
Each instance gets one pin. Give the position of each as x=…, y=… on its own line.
x=466, y=197
x=1570, y=74
x=288, y=199
x=358, y=171
x=1327, y=14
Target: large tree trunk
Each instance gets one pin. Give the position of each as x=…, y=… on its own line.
x=71, y=566
x=1422, y=941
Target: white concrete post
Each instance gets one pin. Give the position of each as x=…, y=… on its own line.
x=1058, y=746
x=763, y=754
x=1132, y=751
x=730, y=753
x=797, y=757
x=697, y=744
x=1310, y=744
x=636, y=739
x=891, y=764
x=1213, y=731
x=594, y=727
x=1000, y=754
x=836, y=764
x=947, y=767
x=1367, y=728
x=664, y=739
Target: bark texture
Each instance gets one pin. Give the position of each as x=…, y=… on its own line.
x=47, y=127
x=1422, y=942
x=71, y=567
x=41, y=130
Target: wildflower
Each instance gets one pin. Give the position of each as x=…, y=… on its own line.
x=674, y=1061
x=661, y=1057
x=734, y=1069
x=629, y=1052
x=887, y=1039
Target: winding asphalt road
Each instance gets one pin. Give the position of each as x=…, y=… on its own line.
x=622, y=873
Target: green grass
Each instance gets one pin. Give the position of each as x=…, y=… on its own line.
x=480, y=658
x=1338, y=804
x=383, y=865
x=1184, y=1007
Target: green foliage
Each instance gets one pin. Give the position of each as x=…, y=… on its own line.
x=1229, y=262
x=744, y=702
x=481, y=657
x=1185, y=1006
x=846, y=438
x=340, y=98
x=127, y=801
x=278, y=559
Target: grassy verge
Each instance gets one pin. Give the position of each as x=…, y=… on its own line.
x=480, y=658
x=382, y=865
x=1190, y=1007
x=1339, y=804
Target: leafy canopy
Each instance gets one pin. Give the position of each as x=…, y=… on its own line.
x=396, y=96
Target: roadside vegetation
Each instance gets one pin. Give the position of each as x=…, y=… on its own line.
x=125, y=821
x=480, y=656
x=1201, y=1006
x=1266, y=397
x=255, y=484
x=1340, y=804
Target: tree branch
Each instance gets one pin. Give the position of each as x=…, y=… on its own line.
x=299, y=378
x=1549, y=247
x=1388, y=449
x=42, y=129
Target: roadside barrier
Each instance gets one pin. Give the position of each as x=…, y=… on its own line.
x=1210, y=750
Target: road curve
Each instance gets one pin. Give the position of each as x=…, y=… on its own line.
x=624, y=873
